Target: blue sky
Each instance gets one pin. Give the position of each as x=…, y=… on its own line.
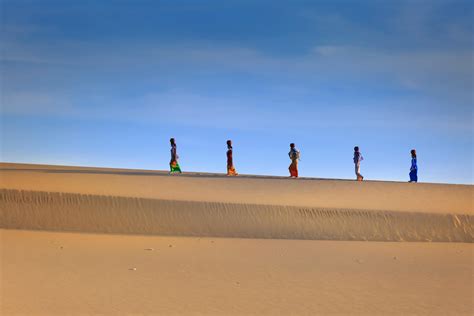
x=107, y=83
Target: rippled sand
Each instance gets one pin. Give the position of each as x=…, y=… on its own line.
x=96, y=241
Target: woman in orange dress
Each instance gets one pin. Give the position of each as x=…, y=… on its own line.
x=230, y=163
x=294, y=155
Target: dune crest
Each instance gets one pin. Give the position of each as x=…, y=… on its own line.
x=121, y=201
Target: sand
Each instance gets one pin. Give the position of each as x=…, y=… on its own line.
x=97, y=241
x=248, y=189
x=154, y=203
x=86, y=274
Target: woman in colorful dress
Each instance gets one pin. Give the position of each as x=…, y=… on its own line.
x=294, y=155
x=174, y=166
x=414, y=167
x=230, y=163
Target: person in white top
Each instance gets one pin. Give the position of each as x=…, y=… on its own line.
x=357, y=159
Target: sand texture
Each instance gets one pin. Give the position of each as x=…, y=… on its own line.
x=47, y=273
x=141, y=202
x=108, y=214
x=98, y=241
x=201, y=187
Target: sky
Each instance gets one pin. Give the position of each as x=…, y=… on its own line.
x=107, y=83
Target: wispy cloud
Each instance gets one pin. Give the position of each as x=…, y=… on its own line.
x=441, y=75
x=183, y=109
x=417, y=68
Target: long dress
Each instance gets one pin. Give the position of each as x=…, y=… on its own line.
x=293, y=168
x=230, y=164
x=174, y=166
x=413, y=171
x=357, y=159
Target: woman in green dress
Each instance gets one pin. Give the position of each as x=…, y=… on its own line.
x=174, y=166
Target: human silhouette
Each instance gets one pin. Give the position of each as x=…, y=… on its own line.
x=230, y=163
x=174, y=166
x=414, y=167
x=294, y=155
x=357, y=159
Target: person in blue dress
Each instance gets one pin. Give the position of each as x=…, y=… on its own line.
x=414, y=167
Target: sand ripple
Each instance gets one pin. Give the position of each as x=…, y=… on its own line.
x=128, y=215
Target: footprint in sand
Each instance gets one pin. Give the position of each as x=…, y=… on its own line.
x=149, y=249
x=133, y=269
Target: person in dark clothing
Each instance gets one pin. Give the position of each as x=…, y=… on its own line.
x=230, y=163
x=174, y=166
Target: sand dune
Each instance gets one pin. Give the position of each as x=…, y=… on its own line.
x=137, y=202
x=109, y=214
x=131, y=271
x=247, y=189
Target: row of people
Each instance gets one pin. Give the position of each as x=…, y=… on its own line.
x=294, y=156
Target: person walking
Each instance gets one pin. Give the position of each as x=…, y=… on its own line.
x=357, y=159
x=230, y=163
x=294, y=155
x=174, y=166
x=414, y=167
